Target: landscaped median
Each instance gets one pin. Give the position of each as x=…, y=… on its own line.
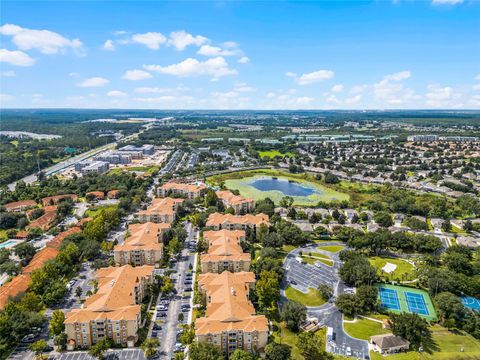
x=312, y=298
x=398, y=269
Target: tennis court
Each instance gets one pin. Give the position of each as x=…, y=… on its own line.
x=405, y=299
x=471, y=303
x=389, y=298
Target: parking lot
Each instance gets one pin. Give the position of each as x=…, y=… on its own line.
x=124, y=354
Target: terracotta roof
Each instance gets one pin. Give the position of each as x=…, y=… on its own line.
x=56, y=198
x=84, y=221
x=39, y=259
x=18, y=285
x=216, y=219
x=144, y=237
x=224, y=245
x=162, y=206
x=19, y=205
x=45, y=221
x=112, y=194
x=172, y=185
x=115, y=298
x=228, y=306
x=97, y=194
x=57, y=240
x=232, y=199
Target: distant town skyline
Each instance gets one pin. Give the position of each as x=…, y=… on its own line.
x=241, y=55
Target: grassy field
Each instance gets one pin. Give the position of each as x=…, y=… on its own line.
x=404, y=270
x=3, y=235
x=449, y=344
x=363, y=329
x=241, y=181
x=315, y=256
x=332, y=248
x=93, y=212
x=272, y=153
x=312, y=298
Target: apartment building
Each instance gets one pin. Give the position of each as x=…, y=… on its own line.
x=162, y=210
x=114, y=157
x=240, y=204
x=225, y=252
x=191, y=191
x=218, y=221
x=230, y=321
x=18, y=206
x=113, y=312
x=91, y=167
x=144, y=246
x=144, y=149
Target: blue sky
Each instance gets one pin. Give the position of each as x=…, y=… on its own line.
x=241, y=55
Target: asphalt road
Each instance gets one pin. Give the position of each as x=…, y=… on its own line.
x=303, y=276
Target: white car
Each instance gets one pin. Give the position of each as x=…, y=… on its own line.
x=348, y=352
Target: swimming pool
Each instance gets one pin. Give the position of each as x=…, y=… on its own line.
x=7, y=243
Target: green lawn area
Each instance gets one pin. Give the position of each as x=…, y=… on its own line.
x=242, y=180
x=332, y=248
x=3, y=235
x=449, y=344
x=272, y=153
x=312, y=259
x=363, y=329
x=404, y=270
x=92, y=212
x=312, y=298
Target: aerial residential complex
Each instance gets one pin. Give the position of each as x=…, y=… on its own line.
x=160, y=211
x=240, y=204
x=144, y=246
x=218, y=221
x=230, y=322
x=225, y=252
x=113, y=312
x=190, y=191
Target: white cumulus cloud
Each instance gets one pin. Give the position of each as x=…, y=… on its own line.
x=446, y=2
x=441, y=96
x=136, y=75
x=94, y=82
x=312, y=77
x=337, y=88
x=116, y=93
x=109, y=45
x=47, y=42
x=152, y=40
x=243, y=60
x=16, y=57
x=216, y=67
x=181, y=39
x=209, y=50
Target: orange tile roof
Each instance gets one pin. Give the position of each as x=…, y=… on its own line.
x=97, y=194
x=112, y=194
x=84, y=221
x=232, y=199
x=216, y=219
x=172, y=185
x=228, y=306
x=224, y=245
x=115, y=298
x=144, y=237
x=19, y=205
x=39, y=259
x=162, y=206
x=19, y=284
x=45, y=221
x=56, y=242
x=56, y=198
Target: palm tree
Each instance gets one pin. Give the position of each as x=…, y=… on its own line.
x=150, y=347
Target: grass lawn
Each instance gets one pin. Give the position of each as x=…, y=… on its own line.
x=241, y=181
x=3, y=235
x=93, y=212
x=312, y=259
x=404, y=270
x=312, y=298
x=363, y=329
x=449, y=344
x=272, y=153
x=332, y=248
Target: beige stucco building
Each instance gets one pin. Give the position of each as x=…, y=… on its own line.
x=191, y=191
x=113, y=312
x=225, y=252
x=240, y=204
x=143, y=246
x=162, y=210
x=230, y=321
x=218, y=221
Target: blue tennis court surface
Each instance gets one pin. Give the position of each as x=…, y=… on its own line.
x=471, y=302
x=416, y=303
x=389, y=299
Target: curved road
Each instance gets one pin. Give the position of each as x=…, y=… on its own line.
x=303, y=276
